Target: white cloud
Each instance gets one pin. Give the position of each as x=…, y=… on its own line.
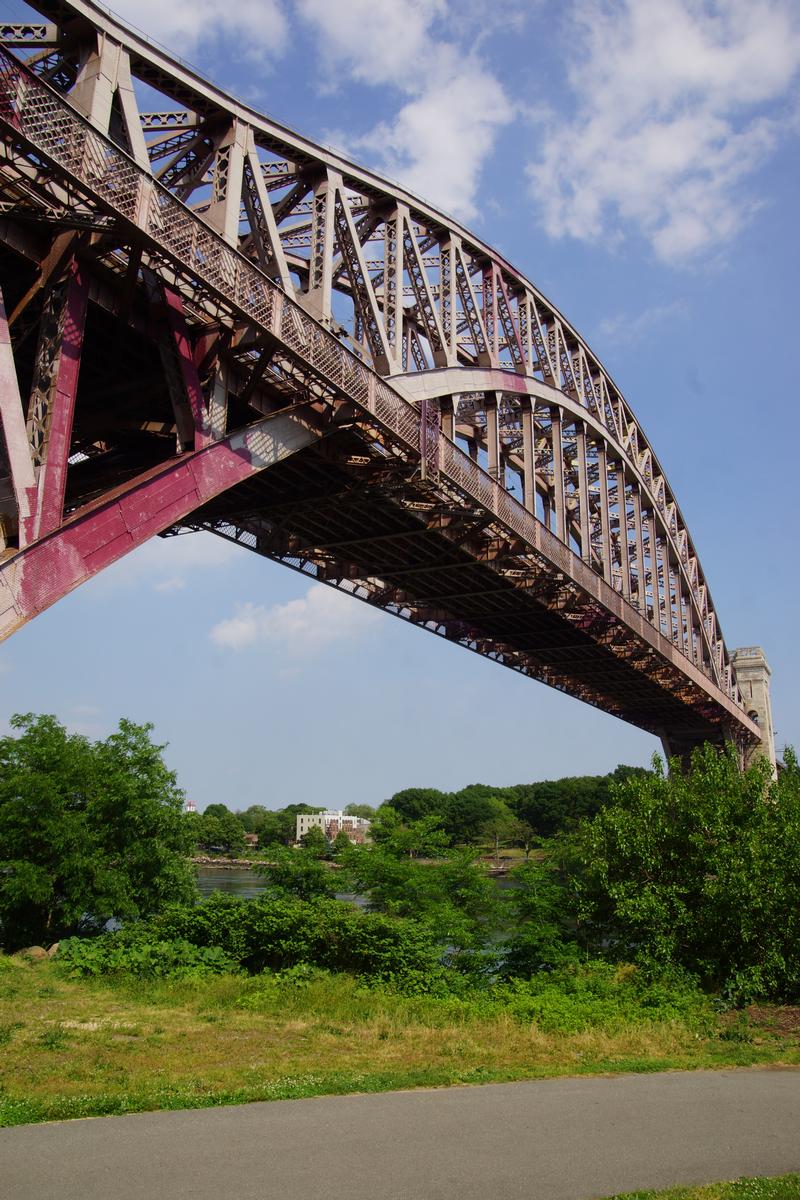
x=299, y=627
x=183, y=24
x=440, y=137
x=625, y=330
x=174, y=583
x=676, y=104
x=438, y=142
x=378, y=41
x=164, y=563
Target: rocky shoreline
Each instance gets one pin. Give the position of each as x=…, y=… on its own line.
x=228, y=864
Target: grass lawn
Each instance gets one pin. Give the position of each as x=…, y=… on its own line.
x=787, y=1187
x=72, y=1048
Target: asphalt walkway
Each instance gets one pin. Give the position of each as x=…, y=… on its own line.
x=561, y=1139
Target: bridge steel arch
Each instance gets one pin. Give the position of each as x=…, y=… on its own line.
x=211, y=322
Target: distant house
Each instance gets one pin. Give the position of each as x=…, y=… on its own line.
x=251, y=840
x=332, y=823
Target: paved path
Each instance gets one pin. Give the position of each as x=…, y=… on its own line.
x=561, y=1139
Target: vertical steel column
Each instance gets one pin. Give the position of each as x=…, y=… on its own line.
x=683, y=619
x=527, y=407
x=491, y=407
x=605, y=521
x=649, y=528
x=393, y=281
x=224, y=211
x=448, y=417
x=624, y=548
x=661, y=580
x=189, y=375
x=105, y=74
x=55, y=387
x=641, y=578
x=583, y=493
x=15, y=435
x=448, y=305
x=680, y=612
x=320, y=274
x=558, y=473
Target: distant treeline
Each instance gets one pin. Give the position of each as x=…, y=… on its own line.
x=478, y=813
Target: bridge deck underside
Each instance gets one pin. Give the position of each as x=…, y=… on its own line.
x=193, y=299
x=352, y=513
x=343, y=522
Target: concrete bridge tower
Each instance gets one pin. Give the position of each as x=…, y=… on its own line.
x=753, y=675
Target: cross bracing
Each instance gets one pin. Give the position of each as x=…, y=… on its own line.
x=435, y=374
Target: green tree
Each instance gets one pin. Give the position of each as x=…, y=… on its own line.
x=555, y=805
x=88, y=831
x=500, y=827
x=452, y=895
x=341, y=842
x=220, y=829
x=301, y=873
x=221, y=811
x=314, y=841
x=414, y=803
x=408, y=839
x=469, y=813
x=542, y=931
x=360, y=810
x=700, y=869
x=253, y=819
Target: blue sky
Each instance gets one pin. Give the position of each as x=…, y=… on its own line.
x=639, y=162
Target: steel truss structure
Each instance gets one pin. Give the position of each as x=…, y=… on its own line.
x=209, y=322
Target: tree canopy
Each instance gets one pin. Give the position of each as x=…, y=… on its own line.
x=699, y=869
x=88, y=831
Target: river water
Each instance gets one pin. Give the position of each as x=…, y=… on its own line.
x=241, y=881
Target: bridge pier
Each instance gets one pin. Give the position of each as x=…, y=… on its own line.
x=753, y=674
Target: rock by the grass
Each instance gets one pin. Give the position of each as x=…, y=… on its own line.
x=34, y=953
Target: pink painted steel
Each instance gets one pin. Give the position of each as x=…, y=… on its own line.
x=191, y=379
x=53, y=474
x=12, y=419
x=43, y=573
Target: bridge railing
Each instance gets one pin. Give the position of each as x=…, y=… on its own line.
x=42, y=118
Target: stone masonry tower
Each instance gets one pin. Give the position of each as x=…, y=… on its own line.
x=752, y=675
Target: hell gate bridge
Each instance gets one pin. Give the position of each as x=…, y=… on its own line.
x=211, y=323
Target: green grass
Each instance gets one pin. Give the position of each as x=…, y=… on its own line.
x=76, y=1048
x=786, y=1187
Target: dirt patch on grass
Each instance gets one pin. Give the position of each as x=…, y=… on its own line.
x=781, y=1020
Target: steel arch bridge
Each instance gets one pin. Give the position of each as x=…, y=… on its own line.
x=209, y=322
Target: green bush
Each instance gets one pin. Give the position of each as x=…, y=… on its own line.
x=272, y=934
x=700, y=868
x=597, y=994
x=136, y=955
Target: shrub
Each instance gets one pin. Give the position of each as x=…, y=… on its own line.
x=136, y=955
x=596, y=994
x=700, y=869
x=272, y=934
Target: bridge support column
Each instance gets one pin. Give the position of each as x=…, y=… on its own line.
x=447, y=416
x=753, y=675
x=492, y=409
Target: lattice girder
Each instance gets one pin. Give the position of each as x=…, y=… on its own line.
x=516, y=383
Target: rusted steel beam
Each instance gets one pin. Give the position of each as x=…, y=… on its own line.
x=52, y=407
x=99, y=535
x=176, y=321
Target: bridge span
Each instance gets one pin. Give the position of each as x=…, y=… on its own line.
x=211, y=323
